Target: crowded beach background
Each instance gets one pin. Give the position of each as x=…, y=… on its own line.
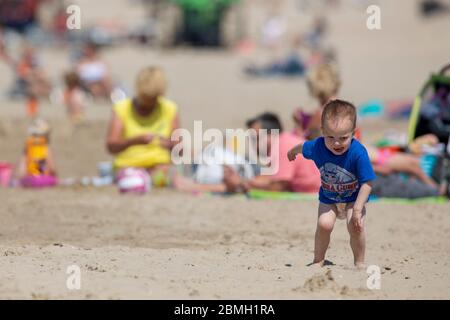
x=230, y=64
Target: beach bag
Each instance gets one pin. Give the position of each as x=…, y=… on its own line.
x=133, y=180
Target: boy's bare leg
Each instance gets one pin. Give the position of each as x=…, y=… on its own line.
x=325, y=224
x=357, y=237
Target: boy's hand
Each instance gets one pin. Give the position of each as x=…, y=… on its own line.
x=356, y=219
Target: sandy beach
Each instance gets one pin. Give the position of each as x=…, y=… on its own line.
x=173, y=246
x=170, y=245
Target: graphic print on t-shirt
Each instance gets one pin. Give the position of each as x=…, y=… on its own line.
x=337, y=183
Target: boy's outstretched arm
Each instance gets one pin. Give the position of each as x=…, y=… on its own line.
x=292, y=154
x=363, y=196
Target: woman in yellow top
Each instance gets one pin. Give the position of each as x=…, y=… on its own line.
x=140, y=128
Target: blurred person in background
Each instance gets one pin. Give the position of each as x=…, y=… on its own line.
x=140, y=128
x=323, y=84
x=74, y=97
x=19, y=15
x=386, y=162
x=31, y=80
x=93, y=72
x=298, y=176
x=36, y=167
x=301, y=176
x=202, y=21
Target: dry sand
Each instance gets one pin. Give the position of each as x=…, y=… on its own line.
x=171, y=245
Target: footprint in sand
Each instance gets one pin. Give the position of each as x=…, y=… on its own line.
x=327, y=282
x=319, y=282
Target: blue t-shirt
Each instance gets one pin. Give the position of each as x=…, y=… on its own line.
x=341, y=175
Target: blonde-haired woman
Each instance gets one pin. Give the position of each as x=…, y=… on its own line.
x=140, y=128
x=323, y=84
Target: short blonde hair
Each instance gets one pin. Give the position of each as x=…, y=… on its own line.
x=151, y=82
x=323, y=81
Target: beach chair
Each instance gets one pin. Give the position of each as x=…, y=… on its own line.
x=431, y=114
x=431, y=109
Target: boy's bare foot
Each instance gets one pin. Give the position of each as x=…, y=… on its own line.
x=360, y=265
x=316, y=264
x=320, y=264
